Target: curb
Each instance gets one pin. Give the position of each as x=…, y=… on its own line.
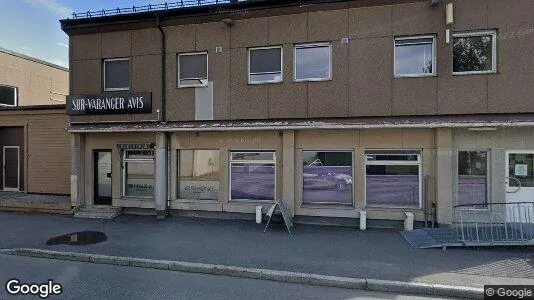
x=264, y=274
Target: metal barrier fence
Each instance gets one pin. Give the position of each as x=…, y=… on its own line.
x=494, y=223
x=149, y=7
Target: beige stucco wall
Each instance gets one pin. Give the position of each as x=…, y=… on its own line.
x=37, y=83
x=288, y=146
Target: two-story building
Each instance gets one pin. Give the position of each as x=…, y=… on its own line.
x=33, y=140
x=334, y=107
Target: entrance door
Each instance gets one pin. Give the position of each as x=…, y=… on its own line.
x=102, y=169
x=520, y=185
x=11, y=168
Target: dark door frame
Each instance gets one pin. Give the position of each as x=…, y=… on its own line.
x=97, y=200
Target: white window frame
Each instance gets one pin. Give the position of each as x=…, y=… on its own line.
x=16, y=95
x=493, y=34
x=281, y=66
x=199, y=79
x=124, y=175
x=488, y=174
x=353, y=187
x=230, y=162
x=418, y=162
x=104, y=75
x=178, y=175
x=434, y=55
x=312, y=45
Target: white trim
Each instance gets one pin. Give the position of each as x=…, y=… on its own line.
x=230, y=162
x=199, y=79
x=281, y=66
x=493, y=34
x=488, y=173
x=16, y=95
x=4, y=168
x=334, y=205
x=418, y=163
x=124, y=175
x=104, y=75
x=434, y=56
x=312, y=45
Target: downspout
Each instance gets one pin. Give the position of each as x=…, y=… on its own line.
x=163, y=116
x=163, y=70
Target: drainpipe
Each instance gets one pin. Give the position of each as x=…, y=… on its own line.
x=162, y=141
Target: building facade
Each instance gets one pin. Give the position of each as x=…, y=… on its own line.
x=33, y=139
x=334, y=107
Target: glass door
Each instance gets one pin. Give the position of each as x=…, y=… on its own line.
x=520, y=185
x=103, y=175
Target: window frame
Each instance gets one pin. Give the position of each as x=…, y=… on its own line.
x=353, y=186
x=273, y=162
x=418, y=162
x=312, y=45
x=281, y=65
x=15, y=94
x=125, y=160
x=104, y=75
x=488, y=176
x=468, y=34
x=179, y=70
x=434, y=56
x=178, y=176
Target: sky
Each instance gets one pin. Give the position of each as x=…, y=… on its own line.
x=31, y=27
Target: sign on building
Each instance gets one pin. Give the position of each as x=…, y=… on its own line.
x=110, y=103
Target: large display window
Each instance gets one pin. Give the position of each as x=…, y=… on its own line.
x=138, y=175
x=327, y=177
x=252, y=176
x=199, y=174
x=472, y=177
x=393, y=178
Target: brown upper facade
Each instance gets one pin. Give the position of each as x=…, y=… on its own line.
x=364, y=72
x=26, y=80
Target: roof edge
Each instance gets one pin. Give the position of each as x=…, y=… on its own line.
x=33, y=59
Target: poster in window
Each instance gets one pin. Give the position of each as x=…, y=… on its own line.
x=521, y=170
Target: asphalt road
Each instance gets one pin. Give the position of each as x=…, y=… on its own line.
x=92, y=281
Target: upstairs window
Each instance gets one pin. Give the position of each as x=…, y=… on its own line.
x=415, y=56
x=265, y=65
x=8, y=96
x=475, y=53
x=313, y=62
x=117, y=74
x=193, y=69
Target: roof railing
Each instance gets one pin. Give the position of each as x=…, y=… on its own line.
x=150, y=7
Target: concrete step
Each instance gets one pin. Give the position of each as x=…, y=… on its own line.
x=98, y=212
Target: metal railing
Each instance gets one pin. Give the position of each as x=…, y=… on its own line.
x=148, y=8
x=494, y=223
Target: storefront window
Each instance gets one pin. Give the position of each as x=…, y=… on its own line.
x=472, y=177
x=139, y=173
x=393, y=178
x=327, y=177
x=199, y=174
x=252, y=176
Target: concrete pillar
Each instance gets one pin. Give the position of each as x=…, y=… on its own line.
x=288, y=170
x=444, y=175
x=161, y=175
x=77, y=174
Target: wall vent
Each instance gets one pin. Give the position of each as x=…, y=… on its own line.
x=218, y=49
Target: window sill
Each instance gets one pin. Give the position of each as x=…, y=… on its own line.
x=328, y=206
x=117, y=90
x=394, y=208
x=192, y=86
x=312, y=80
x=136, y=198
x=265, y=82
x=207, y=201
x=415, y=76
x=474, y=73
x=250, y=202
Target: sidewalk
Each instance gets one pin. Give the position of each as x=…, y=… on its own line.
x=336, y=251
